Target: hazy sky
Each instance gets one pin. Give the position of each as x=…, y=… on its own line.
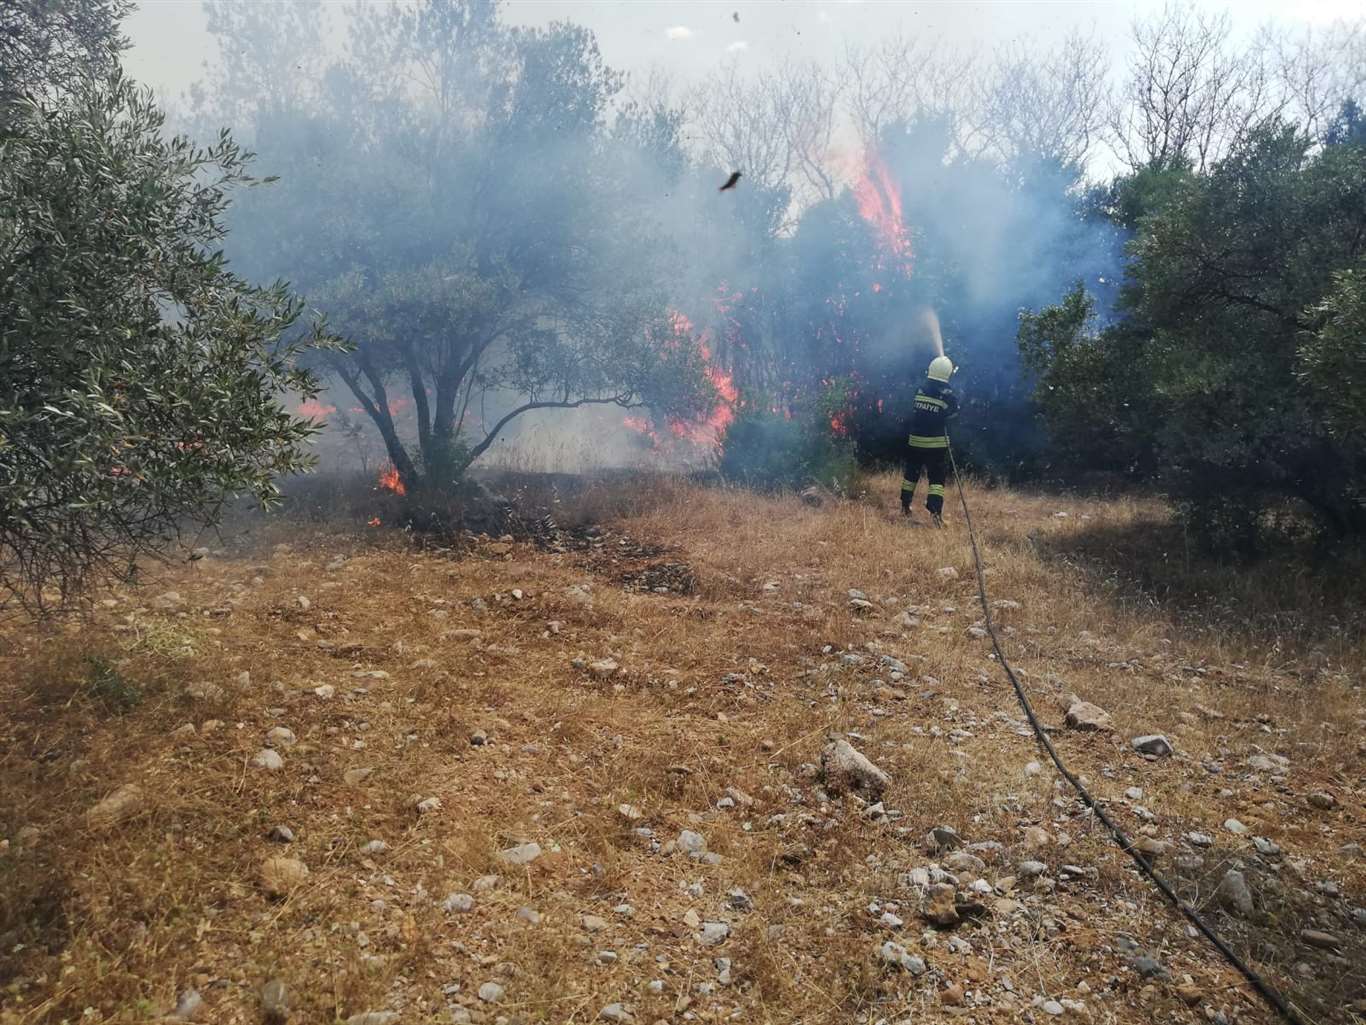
x=170, y=44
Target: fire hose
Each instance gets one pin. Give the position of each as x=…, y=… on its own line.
x=1265, y=989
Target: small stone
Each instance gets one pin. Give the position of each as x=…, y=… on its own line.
x=428, y=805
x=458, y=903
x=478, y=738
x=1234, y=826
x=963, y=863
x=629, y=812
x=947, y=573
x=1200, y=839
x=593, y=923
x=522, y=854
x=1036, y=837
x=691, y=843
x=941, y=909
x=1134, y=793
x=325, y=691
x=603, y=668
x=120, y=806
x=1323, y=801
x=943, y=838
x=1322, y=940
x=952, y=996
x=843, y=767
x=491, y=992
x=1266, y=847
x=1031, y=869
x=713, y=933
x=529, y=915
x=268, y=758
x=1051, y=1007
x=373, y=1018
x=1152, y=744
x=281, y=834
x=897, y=956
x=1151, y=846
x=279, y=876
x=1032, y=768
x=1234, y=893
x=740, y=900
x=281, y=736
x=485, y=884
x=616, y=1012
x=1149, y=967
x=1190, y=993
x=353, y=777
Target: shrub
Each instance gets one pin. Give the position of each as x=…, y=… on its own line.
x=770, y=452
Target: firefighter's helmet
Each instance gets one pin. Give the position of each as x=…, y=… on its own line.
x=941, y=368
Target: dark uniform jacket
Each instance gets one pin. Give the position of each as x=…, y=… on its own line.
x=935, y=402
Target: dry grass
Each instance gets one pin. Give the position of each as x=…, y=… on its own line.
x=729, y=686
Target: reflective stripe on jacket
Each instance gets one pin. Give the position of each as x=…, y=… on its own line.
x=935, y=403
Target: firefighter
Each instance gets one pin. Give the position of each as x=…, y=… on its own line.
x=928, y=442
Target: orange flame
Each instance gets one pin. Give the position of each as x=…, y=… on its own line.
x=315, y=410
x=704, y=431
x=374, y=521
x=389, y=480
x=879, y=203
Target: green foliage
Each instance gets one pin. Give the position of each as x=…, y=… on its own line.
x=105, y=683
x=1333, y=357
x=51, y=45
x=1090, y=387
x=140, y=379
x=1235, y=371
x=770, y=452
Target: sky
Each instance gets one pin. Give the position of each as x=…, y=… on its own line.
x=689, y=39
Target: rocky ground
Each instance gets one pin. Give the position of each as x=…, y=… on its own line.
x=718, y=758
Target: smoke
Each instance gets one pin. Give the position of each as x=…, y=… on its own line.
x=926, y=246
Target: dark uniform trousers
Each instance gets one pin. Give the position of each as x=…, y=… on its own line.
x=935, y=464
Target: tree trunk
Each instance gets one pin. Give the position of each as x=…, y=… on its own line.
x=377, y=408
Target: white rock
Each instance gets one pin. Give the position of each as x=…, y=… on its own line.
x=281, y=736
x=491, y=992
x=268, y=758
x=1152, y=744
x=458, y=903
x=522, y=854
x=713, y=933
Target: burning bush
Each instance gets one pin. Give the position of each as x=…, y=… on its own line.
x=772, y=450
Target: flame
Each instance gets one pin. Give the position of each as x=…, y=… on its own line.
x=879, y=203
x=315, y=410
x=389, y=480
x=374, y=521
x=704, y=431
x=839, y=424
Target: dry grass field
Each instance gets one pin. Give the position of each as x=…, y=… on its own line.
x=647, y=703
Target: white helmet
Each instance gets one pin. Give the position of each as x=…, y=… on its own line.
x=941, y=368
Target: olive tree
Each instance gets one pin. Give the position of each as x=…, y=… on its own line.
x=140, y=378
